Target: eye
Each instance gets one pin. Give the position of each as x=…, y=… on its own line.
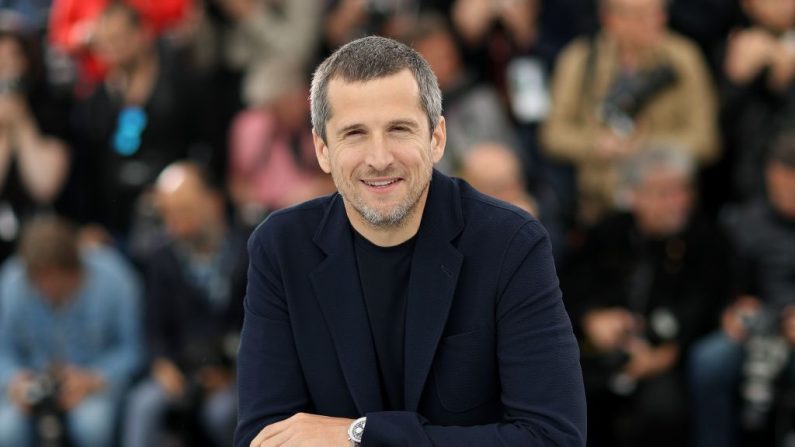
x=401, y=129
x=354, y=133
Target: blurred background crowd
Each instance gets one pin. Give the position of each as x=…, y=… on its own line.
x=141, y=140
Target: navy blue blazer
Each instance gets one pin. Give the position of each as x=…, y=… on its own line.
x=490, y=356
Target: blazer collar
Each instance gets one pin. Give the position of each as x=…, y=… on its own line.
x=434, y=274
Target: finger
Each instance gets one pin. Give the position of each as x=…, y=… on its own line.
x=270, y=431
x=281, y=439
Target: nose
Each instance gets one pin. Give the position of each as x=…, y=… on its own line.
x=379, y=155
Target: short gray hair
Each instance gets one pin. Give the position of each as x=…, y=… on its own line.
x=371, y=58
x=655, y=157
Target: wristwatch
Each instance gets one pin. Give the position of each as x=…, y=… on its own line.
x=356, y=430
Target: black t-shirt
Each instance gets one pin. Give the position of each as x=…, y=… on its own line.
x=384, y=274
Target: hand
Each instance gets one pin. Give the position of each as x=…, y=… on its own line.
x=239, y=10
x=749, y=51
x=611, y=146
x=608, y=328
x=647, y=361
x=305, y=430
x=788, y=324
x=13, y=109
x=169, y=377
x=18, y=388
x=472, y=18
x=76, y=384
x=731, y=320
x=215, y=378
x=519, y=18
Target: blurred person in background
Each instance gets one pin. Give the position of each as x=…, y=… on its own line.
x=34, y=157
x=346, y=20
x=634, y=83
x=73, y=27
x=763, y=232
x=69, y=316
x=495, y=170
x=646, y=284
x=757, y=89
x=264, y=32
x=272, y=161
x=473, y=110
x=496, y=33
x=195, y=282
x=513, y=44
x=145, y=115
x=33, y=14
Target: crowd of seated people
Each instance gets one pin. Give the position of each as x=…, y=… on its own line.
x=141, y=141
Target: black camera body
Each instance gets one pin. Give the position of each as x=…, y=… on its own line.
x=627, y=97
x=41, y=397
x=767, y=354
x=11, y=86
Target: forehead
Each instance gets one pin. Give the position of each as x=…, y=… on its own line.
x=664, y=176
x=390, y=97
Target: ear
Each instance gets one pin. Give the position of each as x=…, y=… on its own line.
x=321, y=152
x=438, y=140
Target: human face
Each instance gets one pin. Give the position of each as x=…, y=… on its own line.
x=781, y=189
x=56, y=284
x=636, y=24
x=440, y=51
x=118, y=42
x=190, y=213
x=379, y=149
x=663, y=202
x=776, y=15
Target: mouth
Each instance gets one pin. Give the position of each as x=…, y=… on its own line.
x=381, y=183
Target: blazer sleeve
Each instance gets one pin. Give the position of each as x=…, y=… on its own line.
x=542, y=388
x=269, y=376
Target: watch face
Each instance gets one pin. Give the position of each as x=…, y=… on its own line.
x=356, y=430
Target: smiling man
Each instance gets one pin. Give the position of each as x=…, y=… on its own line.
x=407, y=309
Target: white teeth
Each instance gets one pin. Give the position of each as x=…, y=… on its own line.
x=384, y=183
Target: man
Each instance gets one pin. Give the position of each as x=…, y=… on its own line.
x=193, y=313
x=646, y=284
x=72, y=317
x=632, y=85
x=272, y=161
x=408, y=299
x=473, y=110
x=763, y=232
x=495, y=170
x=758, y=90
x=146, y=114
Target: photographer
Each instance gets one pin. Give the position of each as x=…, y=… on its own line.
x=758, y=93
x=195, y=283
x=70, y=318
x=655, y=80
x=646, y=284
x=764, y=234
x=34, y=159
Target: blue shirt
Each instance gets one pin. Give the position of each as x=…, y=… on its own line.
x=98, y=329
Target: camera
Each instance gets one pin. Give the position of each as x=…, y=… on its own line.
x=767, y=354
x=11, y=86
x=41, y=396
x=628, y=96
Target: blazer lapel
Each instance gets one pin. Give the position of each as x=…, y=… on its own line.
x=339, y=293
x=434, y=275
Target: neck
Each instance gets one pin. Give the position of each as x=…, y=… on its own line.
x=389, y=236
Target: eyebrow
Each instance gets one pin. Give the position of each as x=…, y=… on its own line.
x=349, y=128
x=414, y=125
x=404, y=122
